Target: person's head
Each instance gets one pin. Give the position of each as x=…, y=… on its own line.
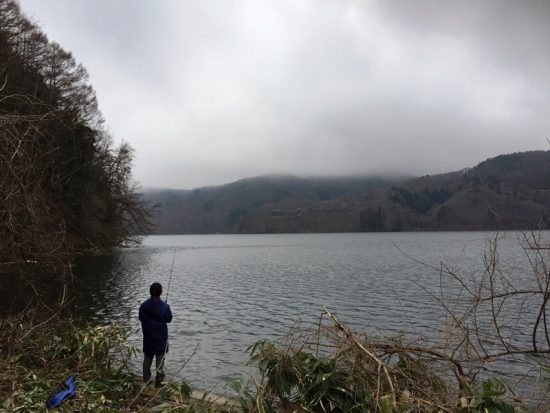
x=155, y=290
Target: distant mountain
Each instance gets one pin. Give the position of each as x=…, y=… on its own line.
x=506, y=192
x=261, y=204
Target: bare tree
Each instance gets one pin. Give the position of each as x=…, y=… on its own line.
x=64, y=187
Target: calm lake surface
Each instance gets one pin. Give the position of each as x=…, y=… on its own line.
x=228, y=291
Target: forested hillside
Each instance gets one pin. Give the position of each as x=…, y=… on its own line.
x=64, y=186
x=275, y=203
x=507, y=192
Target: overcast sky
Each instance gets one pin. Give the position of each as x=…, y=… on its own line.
x=208, y=92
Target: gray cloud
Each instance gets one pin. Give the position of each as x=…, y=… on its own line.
x=209, y=92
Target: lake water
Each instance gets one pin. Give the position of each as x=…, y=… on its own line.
x=228, y=291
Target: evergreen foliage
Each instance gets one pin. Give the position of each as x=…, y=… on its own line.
x=372, y=220
x=421, y=201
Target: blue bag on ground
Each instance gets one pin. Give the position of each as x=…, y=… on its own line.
x=67, y=391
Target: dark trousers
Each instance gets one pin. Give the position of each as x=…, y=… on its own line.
x=159, y=364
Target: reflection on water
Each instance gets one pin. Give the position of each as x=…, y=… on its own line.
x=228, y=291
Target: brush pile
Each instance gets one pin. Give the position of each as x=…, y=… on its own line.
x=329, y=368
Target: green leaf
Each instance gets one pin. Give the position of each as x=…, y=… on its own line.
x=264, y=364
x=386, y=404
x=235, y=385
x=160, y=407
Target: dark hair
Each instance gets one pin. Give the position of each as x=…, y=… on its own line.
x=155, y=290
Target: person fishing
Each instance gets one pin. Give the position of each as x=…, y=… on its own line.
x=154, y=315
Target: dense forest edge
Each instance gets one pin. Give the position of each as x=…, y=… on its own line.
x=508, y=192
x=66, y=189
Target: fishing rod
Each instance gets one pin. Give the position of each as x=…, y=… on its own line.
x=170, y=277
x=161, y=363
x=169, y=282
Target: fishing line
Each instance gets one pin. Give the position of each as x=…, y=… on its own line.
x=169, y=282
x=170, y=278
x=166, y=301
x=165, y=348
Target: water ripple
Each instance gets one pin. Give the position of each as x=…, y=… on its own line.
x=228, y=291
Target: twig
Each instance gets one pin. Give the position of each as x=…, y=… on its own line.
x=159, y=390
x=38, y=325
x=351, y=336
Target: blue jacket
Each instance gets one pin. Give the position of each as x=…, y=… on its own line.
x=154, y=314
